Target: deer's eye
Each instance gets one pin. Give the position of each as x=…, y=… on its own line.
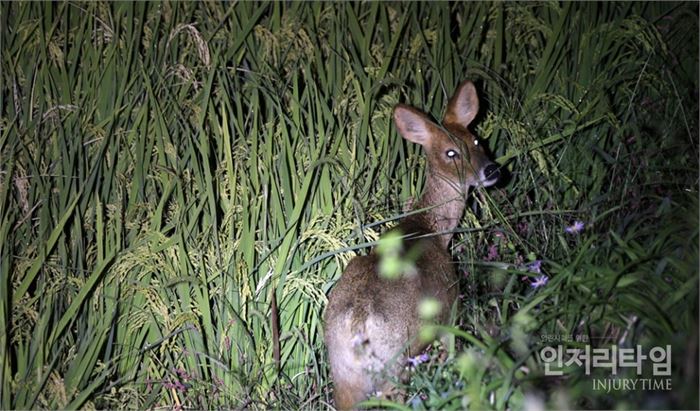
x=452, y=154
x=476, y=141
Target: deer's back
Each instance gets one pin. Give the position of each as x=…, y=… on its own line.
x=364, y=303
x=372, y=322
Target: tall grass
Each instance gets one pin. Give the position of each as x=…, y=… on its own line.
x=166, y=168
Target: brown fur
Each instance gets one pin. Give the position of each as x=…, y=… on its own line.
x=371, y=322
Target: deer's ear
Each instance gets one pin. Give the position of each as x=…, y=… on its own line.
x=413, y=125
x=463, y=106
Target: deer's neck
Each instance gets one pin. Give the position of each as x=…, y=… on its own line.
x=443, y=208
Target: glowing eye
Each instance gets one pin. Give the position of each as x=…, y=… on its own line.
x=476, y=142
x=452, y=154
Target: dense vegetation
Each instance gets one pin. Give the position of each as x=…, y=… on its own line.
x=166, y=168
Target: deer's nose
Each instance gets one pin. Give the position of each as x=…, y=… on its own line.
x=491, y=174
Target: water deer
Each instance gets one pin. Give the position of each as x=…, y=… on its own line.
x=371, y=322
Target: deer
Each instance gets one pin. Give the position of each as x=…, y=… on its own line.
x=371, y=321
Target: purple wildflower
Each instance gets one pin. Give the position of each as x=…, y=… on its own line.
x=418, y=359
x=576, y=228
x=227, y=343
x=493, y=253
x=534, y=267
x=540, y=281
x=177, y=385
x=182, y=374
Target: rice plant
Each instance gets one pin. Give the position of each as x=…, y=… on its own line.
x=172, y=173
